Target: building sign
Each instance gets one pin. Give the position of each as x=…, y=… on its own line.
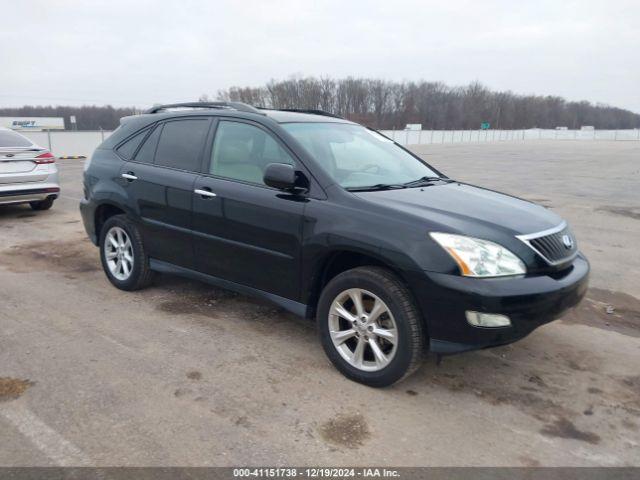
x=32, y=123
x=485, y=126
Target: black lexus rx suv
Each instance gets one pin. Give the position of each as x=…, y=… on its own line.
x=332, y=221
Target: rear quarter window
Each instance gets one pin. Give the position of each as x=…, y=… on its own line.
x=148, y=149
x=13, y=139
x=128, y=149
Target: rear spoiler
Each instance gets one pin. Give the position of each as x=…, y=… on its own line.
x=127, y=119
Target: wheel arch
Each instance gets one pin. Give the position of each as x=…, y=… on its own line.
x=339, y=260
x=103, y=212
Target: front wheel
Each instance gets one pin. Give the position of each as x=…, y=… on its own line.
x=123, y=256
x=369, y=326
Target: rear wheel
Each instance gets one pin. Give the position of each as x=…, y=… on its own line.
x=43, y=204
x=123, y=256
x=369, y=326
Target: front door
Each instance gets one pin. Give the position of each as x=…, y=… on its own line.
x=244, y=231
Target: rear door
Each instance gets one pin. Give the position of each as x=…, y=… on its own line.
x=160, y=182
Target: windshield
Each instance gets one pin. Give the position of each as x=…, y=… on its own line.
x=356, y=157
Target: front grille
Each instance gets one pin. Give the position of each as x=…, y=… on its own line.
x=556, y=246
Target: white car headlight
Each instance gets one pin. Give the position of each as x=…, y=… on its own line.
x=479, y=258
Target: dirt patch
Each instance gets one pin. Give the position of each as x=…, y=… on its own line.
x=242, y=421
x=177, y=296
x=529, y=394
x=526, y=461
x=545, y=202
x=12, y=388
x=632, y=383
x=564, y=428
x=70, y=256
x=535, y=379
x=346, y=430
x=608, y=310
x=622, y=211
x=194, y=375
x=193, y=298
x=181, y=392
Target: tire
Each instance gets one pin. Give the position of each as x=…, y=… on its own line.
x=139, y=274
x=374, y=284
x=43, y=204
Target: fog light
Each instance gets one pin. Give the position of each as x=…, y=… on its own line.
x=487, y=320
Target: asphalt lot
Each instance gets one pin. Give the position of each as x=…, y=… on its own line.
x=185, y=374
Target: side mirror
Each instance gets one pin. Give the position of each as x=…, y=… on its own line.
x=280, y=175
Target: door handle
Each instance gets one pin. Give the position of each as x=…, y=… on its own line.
x=129, y=176
x=204, y=192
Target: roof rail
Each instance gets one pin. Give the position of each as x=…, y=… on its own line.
x=239, y=106
x=310, y=111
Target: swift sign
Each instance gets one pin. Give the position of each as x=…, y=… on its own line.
x=32, y=123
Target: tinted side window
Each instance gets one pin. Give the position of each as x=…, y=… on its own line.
x=148, y=149
x=181, y=143
x=128, y=148
x=242, y=152
x=12, y=139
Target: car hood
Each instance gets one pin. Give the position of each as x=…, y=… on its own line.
x=467, y=209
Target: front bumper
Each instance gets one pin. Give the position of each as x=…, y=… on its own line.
x=529, y=301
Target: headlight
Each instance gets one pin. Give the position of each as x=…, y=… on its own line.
x=479, y=258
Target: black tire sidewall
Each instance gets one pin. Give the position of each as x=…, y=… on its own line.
x=42, y=204
x=404, y=350
x=139, y=257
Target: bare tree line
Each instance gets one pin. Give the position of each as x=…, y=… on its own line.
x=88, y=117
x=385, y=104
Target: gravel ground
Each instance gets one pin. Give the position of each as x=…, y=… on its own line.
x=185, y=374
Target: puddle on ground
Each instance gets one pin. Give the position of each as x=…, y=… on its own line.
x=12, y=388
x=346, y=430
x=607, y=310
x=69, y=256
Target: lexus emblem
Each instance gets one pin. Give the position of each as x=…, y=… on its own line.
x=567, y=241
x=9, y=155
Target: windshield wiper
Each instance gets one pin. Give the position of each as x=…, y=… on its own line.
x=426, y=181
x=377, y=186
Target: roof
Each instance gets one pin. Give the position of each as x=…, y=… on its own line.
x=243, y=110
x=283, y=116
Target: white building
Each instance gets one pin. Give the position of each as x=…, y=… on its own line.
x=32, y=123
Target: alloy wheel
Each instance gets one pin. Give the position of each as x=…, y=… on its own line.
x=118, y=252
x=363, y=330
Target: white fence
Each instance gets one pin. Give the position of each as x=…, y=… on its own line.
x=424, y=137
x=68, y=143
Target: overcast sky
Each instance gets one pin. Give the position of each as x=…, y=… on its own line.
x=140, y=53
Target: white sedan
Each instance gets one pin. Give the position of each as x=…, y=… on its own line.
x=28, y=172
